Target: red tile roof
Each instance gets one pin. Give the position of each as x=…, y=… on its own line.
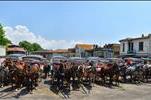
x=44, y=51
x=16, y=49
x=60, y=51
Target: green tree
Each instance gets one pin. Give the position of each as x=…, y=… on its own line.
x=36, y=47
x=29, y=46
x=3, y=40
x=26, y=45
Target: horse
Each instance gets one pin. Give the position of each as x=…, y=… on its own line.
x=76, y=75
x=63, y=72
x=46, y=70
x=32, y=76
x=3, y=75
x=68, y=75
x=58, y=75
x=17, y=74
x=89, y=72
x=111, y=70
x=8, y=62
x=54, y=71
x=100, y=71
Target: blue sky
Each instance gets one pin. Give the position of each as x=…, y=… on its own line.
x=88, y=21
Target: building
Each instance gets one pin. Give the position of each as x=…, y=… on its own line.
x=58, y=52
x=103, y=52
x=2, y=51
x=82, y=50
x=89, y=53
x=136, y=47
x=71, y=52
x=45, y=53
x=15, y=49
x=115, y=48
x=50, y=53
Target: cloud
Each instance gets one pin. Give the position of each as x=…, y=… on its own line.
x=20, y=33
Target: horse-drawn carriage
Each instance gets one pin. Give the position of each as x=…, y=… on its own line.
x=36, y=59
x=23, y=70
x=147, y=68
x=131, y=69
x=77, y=60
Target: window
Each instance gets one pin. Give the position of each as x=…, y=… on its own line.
x=141, y=46
x=123, y=47
x=129, y=46
x=132, y=45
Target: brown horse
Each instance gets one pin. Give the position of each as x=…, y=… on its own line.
x=32, y=73
x=104, y=70
x=8, y=63
x=18, y=74
x=87, y=72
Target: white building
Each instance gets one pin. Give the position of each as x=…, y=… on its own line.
x=2, y=51
x=136, y=47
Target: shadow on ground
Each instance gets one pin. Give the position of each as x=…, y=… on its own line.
x=9, y=93
x=64, y=91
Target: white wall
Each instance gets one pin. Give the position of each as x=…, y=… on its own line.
x=121, y=47
x=2, y=51
x=146, y=49
x=146, y=45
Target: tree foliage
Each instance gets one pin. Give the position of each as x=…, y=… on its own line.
x=36, y=47
x=30, y=46
x=26, y=45
x=3, y=40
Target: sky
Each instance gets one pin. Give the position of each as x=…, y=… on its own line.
x=62, y=24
